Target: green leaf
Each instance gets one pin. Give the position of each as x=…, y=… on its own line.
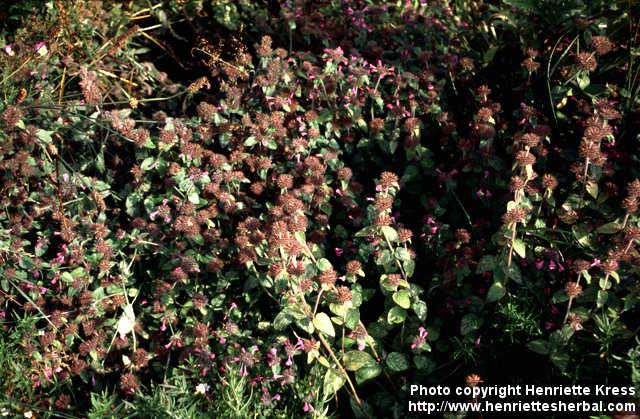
x=333, y=381
x=470, y=323
x=496, y=292
x=539, y=346
x=306, y=325
x=560, y=360
x=592, y=188
x=389, y=233
x=44, y=136
x=582, y=79
x=402, y=299
x=354, y=360
x=322, y=322
x=409, y=267
x=396, y=315
x=486, y=263
x=520, y=248
x=194, y=198
x=352, y=318
x=324, y=264
x=581, y=234
x=397, y=362
x=615, y=276
x=146, y=163
x=609, y=228
x=524, y=5
x=66, y=277
x=402, y=254
x=367, y=373
x=420, y=308
x=513, y=272
x=281, y=321
x=602, y=297
x=385, y=258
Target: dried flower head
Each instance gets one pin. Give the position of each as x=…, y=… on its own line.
x=575, y=322
x=525, y=158
x=516, y=184
x=609, y=266
x=404, y=235
x=343, y=294
x=630, y=204
x=91, y=86
x=284, y=181
x=472, y=380
x=353, y=267
x=586, y=61
x=11, y=116
x=530, y=65
x=463, y=235
x=581, y=266
x=549, y=182
x=394, y=279
x=129, y=383
x=530, y=139
x=601, y=44
x=573, y=289
x=388, y=180
x=514, y=216
x=633, y=188
x=328, y=277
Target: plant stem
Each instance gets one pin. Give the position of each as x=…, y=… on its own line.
x=341, y=368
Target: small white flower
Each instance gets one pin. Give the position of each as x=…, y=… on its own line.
x=41, y=48
x=28, y=414
x=202, y=388
x=9, y=50
x=4, y=412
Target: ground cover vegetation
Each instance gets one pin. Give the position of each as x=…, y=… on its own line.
x=214, y=208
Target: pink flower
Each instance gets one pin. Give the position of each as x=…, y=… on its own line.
x=419, y=340
x=272, y=357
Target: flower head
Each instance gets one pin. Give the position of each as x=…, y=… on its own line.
x=202, y=388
